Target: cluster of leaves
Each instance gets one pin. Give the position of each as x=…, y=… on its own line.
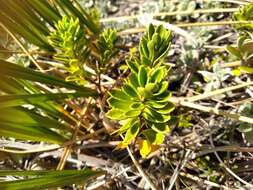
x=245, y=14
x=23, y=99
x=184, y=121
x=214, y=79
x=154, y=46
x=73, y=45
x=74, y=37
x=29, y=113
x=142, y=104
x=244, y=52
x=70, y=43
x=204, y=164
x=246, y=128
x=45, y=179
x=106, y=47
x=244, y=48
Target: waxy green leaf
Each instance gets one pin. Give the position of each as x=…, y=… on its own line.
x=46, y=179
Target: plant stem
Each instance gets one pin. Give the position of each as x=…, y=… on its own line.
x=182, y=25
x=217, y=92
x=230, y=1
x=231, y=64
x=140, y=170
x=229, y=148
x=211, y=110
x=218, y=23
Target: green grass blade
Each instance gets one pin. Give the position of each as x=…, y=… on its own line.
x=82, y=16
x=21, y=99
x=26, y=124
x=45, y=10
x=17, y=12
x=17, y=71
x=17, y=28
x=47, y=179
x=28, y=117
x=34, y=133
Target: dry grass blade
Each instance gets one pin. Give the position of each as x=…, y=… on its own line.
x=212, y=110
x=185, y=25
x=248, y=185
x=53, y=147
x=179, y=167
x=228, y=148
x=217, y=92
x=174, y=13
x=206, y=182
x=141, y=171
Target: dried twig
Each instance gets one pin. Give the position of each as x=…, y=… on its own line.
x=217, y=92
x=228, y=169
x=140, y=170
x=179, y=167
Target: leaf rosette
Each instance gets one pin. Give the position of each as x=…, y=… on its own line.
x=142, y=104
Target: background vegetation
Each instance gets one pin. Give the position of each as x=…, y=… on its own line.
x=126, y=94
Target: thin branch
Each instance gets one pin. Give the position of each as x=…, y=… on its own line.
x=22, y=52
x=217, y=23
x=140, y=170
x=217, y=92
x=182, y=25
x=231, y=64
x=228, y=169
x=179, y=167
x=212, y=110
x=230, y=1
x=206, y=182
x=54, y=146
x=229, y=148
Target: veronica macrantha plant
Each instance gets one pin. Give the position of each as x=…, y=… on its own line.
x=142, y=104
